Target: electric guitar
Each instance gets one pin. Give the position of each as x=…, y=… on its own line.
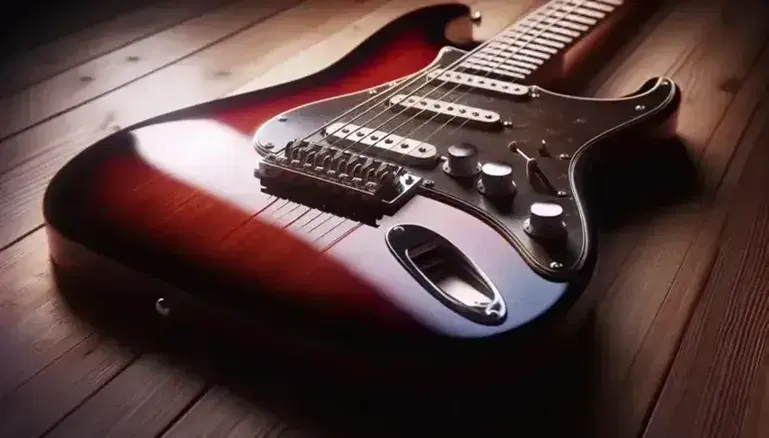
x=418, y=196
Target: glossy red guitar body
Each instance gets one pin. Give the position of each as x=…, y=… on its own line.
x=168, y=215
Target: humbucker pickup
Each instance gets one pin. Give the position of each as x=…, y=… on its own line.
x=446, y=110
x=393, y=147
x=475, y=81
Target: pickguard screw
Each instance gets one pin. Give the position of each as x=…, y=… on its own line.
x=564, y=156
x=282, y=118
x=269, y=146
x=507, y=123
x=428, y=183
x=476, y=16
x=562, y=194
x=555, y=265
x=372, y=92
x=640, y=108
x=533, y=93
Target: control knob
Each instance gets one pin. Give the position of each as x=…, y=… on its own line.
x=545, y=221
x=496, y=180
x=462, y=160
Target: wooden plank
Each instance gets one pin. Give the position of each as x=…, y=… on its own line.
x=35, y=327
x=55, y=20
x=220, y=413
x=32, y=408
x=92, y=79
x=663, y=265
x=140, y=401
x=243, y=425
x=670, y=40
x=717, y=384
x=501, y=14
x=31, y=66
x=34, y=155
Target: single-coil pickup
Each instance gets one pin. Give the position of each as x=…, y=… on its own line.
x=450, y=110
x=475, y=81
x=405, y=151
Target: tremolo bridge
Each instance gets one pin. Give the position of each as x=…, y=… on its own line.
x=338, y=181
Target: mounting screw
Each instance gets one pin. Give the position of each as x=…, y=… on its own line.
x=397, y=229
x=507, y=123
x=282, y=118
x=476, y=16
x=562, y=194
x=428, y=183
x=161, y=307
x=533, y=93
x=640, y=108
x=564, y=156
x=372, y=92
x=269, y=146
x=555, y=265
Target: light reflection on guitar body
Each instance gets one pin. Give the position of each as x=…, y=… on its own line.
x=177, y=201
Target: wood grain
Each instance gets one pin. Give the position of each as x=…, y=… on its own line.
x=94, y=78
x=718, y=379
x=651, y=274
x=31, y=158
x=29, y=67
x=662, y=265
x=140, y=401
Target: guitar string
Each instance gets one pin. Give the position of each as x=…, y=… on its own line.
x=413, y=80
x=485, y=76
x=513, y=51
x=531, y=38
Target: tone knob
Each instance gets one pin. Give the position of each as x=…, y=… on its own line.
x=545, y=221
x=462, y=160
x=496, y=180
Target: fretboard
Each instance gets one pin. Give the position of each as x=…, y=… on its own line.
x=549, y=31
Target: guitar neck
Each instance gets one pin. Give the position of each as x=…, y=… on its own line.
x=541, y=40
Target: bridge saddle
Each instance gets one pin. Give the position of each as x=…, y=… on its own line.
x=334, y=180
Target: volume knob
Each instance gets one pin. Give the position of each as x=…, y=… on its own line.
x=462, y=160
x=545, y=221
x=496, y=180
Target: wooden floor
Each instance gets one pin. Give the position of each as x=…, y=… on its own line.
x=680, y=340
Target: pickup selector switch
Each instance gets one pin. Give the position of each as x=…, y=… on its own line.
x=545, y=221
x=496, y=180
x=462, y=160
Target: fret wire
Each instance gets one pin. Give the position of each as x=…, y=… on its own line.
x=533, y=46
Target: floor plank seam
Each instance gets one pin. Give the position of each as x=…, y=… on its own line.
x=114, y=49
x=21, y=237
x=142, y=76
x=43, y=369
x=649, y=411
x=182, y=412
x=753, y=113
x=95, y=391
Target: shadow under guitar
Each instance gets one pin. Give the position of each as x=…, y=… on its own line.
x=639, y=180
x=307, y=398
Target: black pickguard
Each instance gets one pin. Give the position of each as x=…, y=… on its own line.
x=564, y=133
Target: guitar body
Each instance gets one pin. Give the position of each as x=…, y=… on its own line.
x=170, y=216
